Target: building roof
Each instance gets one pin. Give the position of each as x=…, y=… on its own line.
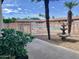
x=51, y=20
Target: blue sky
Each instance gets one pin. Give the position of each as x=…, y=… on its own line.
x=25, y=8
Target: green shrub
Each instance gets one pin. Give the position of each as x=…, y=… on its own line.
x=9, y=20
x=13, y=42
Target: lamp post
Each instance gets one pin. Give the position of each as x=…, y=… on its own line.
x=1, y=18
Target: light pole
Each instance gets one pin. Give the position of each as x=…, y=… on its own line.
x=1, y=18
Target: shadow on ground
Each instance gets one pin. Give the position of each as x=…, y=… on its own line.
x=56, y=39
x=71, y=40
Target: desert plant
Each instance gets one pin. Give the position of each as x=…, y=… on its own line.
x=13, y=42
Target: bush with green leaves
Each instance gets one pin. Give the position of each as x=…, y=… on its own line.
x=13, y=42
x=9, y=20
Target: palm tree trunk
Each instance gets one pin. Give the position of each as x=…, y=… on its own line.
x=1, y=18
x=46, y=2
x=69, y=21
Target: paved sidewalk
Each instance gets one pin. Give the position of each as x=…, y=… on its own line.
x=39, y=49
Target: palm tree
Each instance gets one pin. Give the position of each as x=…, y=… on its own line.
x=46, y=3
x=70, y=5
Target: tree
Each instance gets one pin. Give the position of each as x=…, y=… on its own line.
x=46, y=3
x=53, y=17
x=34, y=18
x=26, y=18
x=9, y=20
x=41, y=15
x=70, y=5
x=13, y=19
x=1, y=18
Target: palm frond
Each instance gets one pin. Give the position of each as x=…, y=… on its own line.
x=71, y=4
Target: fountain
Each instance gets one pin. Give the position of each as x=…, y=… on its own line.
x=63, y=35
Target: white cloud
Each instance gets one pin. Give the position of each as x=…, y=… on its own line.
x=19, y=9
x=40, y=6
x=53, y=7
x=10, y=10
x=15, y=11
x=7, y=10
x=27, y=10
x=9, y=4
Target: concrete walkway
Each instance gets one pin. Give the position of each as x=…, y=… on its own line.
x=39, y=49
